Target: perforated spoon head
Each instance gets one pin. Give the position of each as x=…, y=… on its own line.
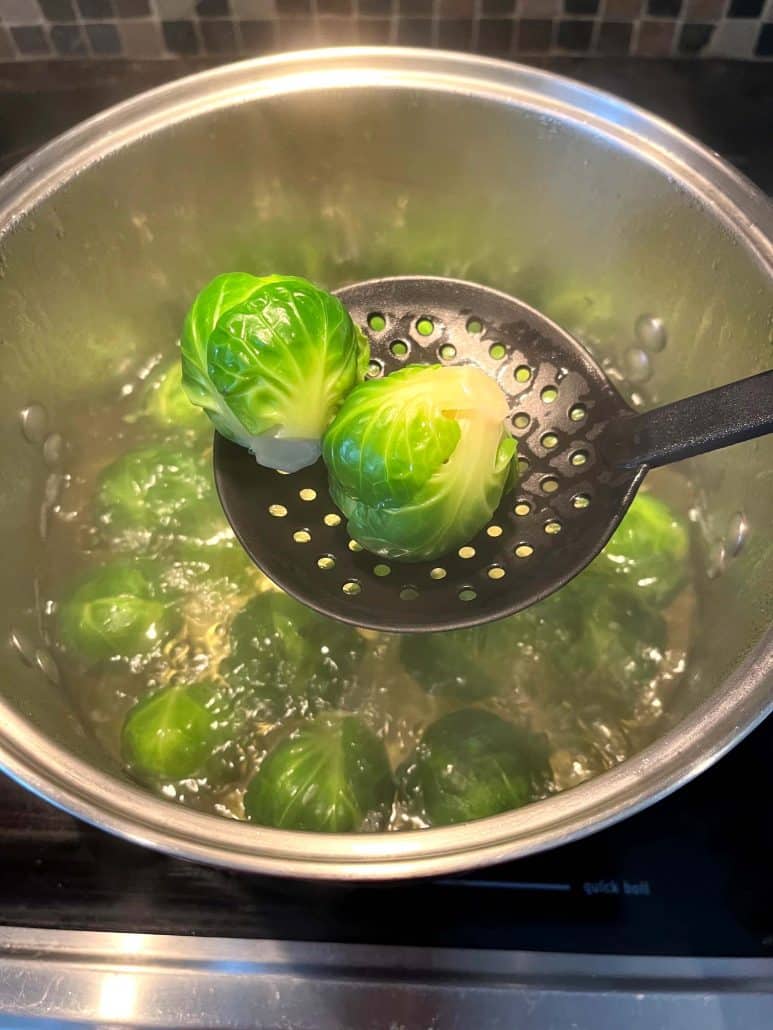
x=568, y=500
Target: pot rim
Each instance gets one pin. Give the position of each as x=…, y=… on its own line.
x=111, y=803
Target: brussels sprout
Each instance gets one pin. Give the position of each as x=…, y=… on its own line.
x=172, y=734
x=158, y=489
x=289, y=657
x=218, y=569
x=332, y=775
x=114, y=612
x=614, y=638
x=472, y=764
x=464, y=664
x=649, y=550
x=418, y=461
x=270, y=360
x=167, y=403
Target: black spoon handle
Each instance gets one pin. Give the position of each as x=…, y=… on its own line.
x=730, y=414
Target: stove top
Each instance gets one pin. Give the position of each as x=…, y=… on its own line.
x=688, y=877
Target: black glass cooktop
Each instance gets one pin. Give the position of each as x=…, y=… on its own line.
x=689, y=876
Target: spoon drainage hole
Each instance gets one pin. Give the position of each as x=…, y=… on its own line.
x=277, y=510
x=474, y=326
x=409, y=594
x=381, y=570
x=467, y=594
x=351, y=587
x=466, y=552
x=549, y=441
x=494, y=531
x=521, y=420
x=332, y=519
x=581, y=501
x=447, y=352
x=302, y=536
x=522, y=508
x=549, y=485
x=375, y=368
x=326, y=562
x=496, y=572
x=307, y=494
x=354, y=546
x=523, y=551
x=376, y=321
x=425, y=326
x=548, y=394
x=437, y=573
x=577, y=412
x=579, y=458
x=522, y=374
x=399, y=348
x=553, y=527
x=497, y=351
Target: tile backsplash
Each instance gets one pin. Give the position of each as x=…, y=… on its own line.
x=165, y=29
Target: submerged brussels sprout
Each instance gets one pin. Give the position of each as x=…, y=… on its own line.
x=219, y=568
x=649, y=550
x=331, y=775
x=463, y=664
x=289, y=657
x=172, y=734
x=615, y=638
x=418, y=461
x=160, y=489
x=167, y=403
x=270, y=360
x=114, y=612
x=472, y=764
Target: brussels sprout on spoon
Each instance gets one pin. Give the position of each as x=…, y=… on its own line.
x=270, y=359
x=434, y=538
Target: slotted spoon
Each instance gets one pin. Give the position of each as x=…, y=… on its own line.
x=583, y=453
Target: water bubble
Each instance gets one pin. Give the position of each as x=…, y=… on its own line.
x=52, y=449
x=737, y=532
x=34, y=423
x=636, y=363
x=45, y=662
x=717, y=560
x=651, y=333
x=23, y=645
x=53, y=488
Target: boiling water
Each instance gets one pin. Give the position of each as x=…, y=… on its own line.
x=589, y=727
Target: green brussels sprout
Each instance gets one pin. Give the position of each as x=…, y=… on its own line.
x=419, y=460
x=332, y=775
x=592, y=632
x=270, y=360
x=115, y=611
x=167, y=404
x=159, y=489
x=471, y=764
x=615, y=638
x=649, y=550
x=220, y=568
x=172, y=734
x=288, y=657
x=464, y=664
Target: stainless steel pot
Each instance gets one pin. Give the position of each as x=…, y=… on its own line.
x=339, y=165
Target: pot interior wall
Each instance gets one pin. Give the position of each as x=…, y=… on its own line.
x=344, y=185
